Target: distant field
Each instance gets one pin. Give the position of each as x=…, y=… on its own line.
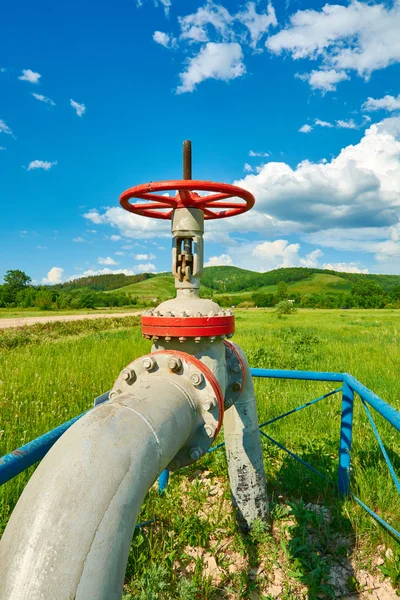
x=317, y=283
x=20, y=313
x=55, y=372
x=160, y=286
x=163, y=287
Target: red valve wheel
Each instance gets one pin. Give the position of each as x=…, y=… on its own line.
x=214, y=205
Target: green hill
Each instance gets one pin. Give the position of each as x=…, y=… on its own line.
x=219, y=281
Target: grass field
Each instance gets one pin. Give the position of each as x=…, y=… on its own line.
x=194, y=550
x=19, y=313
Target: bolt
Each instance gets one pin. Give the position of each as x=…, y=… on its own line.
x=168, y=314
x=148, y=363
x=183, y=314
x=195, y=453
x=196, y=379
x=236, y=368
x=209, y=431
x=197, y=340
x=174, y=464
x=212, y=338
x=236, y=386
x=182, y=339
x=113, y=395
x=168, y=338
x=128, y=375
x=229, y=336
x=174, y=364
x=211, y=314
x=209, y=403
x=228, y=402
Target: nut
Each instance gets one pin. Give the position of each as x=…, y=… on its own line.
x=209, y=403
x=182, y=339
x=113, y=395
x=149, y=363
x=197, y=340
x=228, y=402
x=195, y=453
x=196, y=379
x=128, y=375
x=236, y=368
x=236, y=387
x=209, y=431
x=174, y=363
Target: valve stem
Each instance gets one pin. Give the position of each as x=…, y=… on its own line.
x=187, y=159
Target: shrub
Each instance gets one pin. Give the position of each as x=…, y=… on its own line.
x=285, y=307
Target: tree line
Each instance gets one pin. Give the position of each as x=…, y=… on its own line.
x=364, y=293
x=18, y=291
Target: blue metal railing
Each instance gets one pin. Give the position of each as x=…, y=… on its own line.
x=17, y=461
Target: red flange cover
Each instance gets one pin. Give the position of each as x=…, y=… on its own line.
x=188, y=326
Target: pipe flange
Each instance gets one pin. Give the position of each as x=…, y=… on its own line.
x=192, y=376
x=236, y=372
x=181, y=324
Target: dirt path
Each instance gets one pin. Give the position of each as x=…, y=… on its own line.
x=20, y=322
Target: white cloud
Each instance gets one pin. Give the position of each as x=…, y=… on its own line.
x=79, y=240
x=4, y=128
x=130, y=225
x=346, y=124
x=79, y=108
x=257, y=24
x=2, y=148
x=277, y=254
x=389, y=103
x=194, y=27
x=358, y=36
x=150, y=256
x=94, y=216
x=322, y=123
x=165, y=3
x=305, y=128
x=262, y=154
x=164, y=39
x=345, y=267
x=44, y=99
x=106, y=261
x=31, y=76
x=115, y=238
x=219, y=261
x=119, y=253
x=41, y=164
x=214, y=61
x=248, y=168
x=358, y=188
x=145, y=268
x=324, y=80
x=53, y=276
x=311, y=259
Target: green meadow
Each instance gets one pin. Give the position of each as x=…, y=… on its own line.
x=194, y=550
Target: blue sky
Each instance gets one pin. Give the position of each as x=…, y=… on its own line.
x=297, y=101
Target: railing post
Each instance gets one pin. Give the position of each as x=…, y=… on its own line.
x=346, y=431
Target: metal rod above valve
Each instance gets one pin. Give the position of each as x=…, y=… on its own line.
x=187, y=159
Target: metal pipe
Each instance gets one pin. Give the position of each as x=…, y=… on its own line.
x=13, y=463
x=346, y=434
x=383, y=408
x=70, y=533
x=306, y=375
x=244, y=455
x=187, y=159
